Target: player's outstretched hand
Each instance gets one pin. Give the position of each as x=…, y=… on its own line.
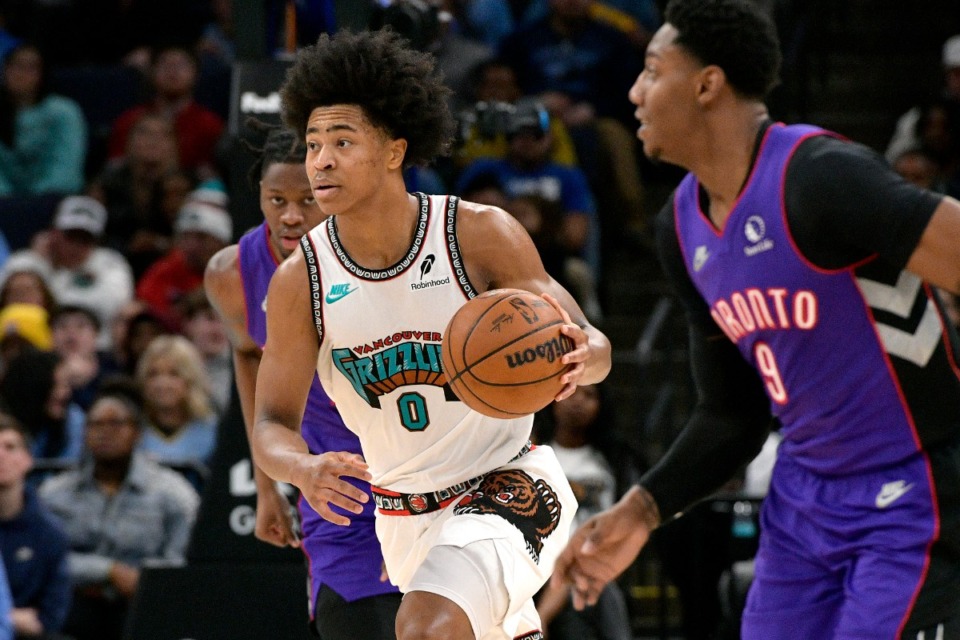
x=321, y=484
x=274, y=520
x=604, y=546
x=577, y=356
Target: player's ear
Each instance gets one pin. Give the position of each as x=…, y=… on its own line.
x=397, y=150
x=710, y=80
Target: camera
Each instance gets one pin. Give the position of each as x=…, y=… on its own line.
x=491, y=120
x=416, y=20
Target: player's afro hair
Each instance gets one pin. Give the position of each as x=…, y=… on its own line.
x=397, y=87
x=736, y=35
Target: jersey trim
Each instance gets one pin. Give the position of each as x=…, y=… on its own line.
x=453, y=249
x=390, y=272
x=313, y=273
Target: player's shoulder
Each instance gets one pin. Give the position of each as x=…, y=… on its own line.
x=475, y=214
x=225, y=261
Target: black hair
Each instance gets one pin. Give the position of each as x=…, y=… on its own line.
x=736, y=35
x=26, y=387
x=280, y=146
x=397, y=87
x=8, y=106
x=72, y=309
x=125, y=390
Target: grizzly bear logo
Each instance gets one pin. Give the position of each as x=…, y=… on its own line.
x=529, y=505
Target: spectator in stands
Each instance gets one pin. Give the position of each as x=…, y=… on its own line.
x=181, y=423
x=920, y=168
x=34, y=390
x=581, y=67
x=83, y=272
x=26, y=280
x=75, y=329
x=33, y=544
x=174, y=71
x=205, y=329
x=43, y=136
x=906, y=135
x=120, y=510
x=528, y=170
x=600, y=468
x=202, y=229
x=132, y=189
x=495, y=85
x=134, y=331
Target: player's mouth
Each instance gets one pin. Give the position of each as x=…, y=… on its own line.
x=289, y=241
x=323, y=189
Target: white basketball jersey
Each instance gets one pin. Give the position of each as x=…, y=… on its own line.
x=380, y=335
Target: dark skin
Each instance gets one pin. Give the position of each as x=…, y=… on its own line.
x=692, y=117
x=287, y=203
x=355, y=169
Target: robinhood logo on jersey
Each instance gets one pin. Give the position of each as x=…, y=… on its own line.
x=425, y=268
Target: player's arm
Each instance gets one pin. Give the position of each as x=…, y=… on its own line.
x=727, y=428
x=936, y=258
x=845, y=204
x=224, y=286
x=499, y=254
x=283, y=383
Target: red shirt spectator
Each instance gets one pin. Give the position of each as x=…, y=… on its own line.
x=201, y=229
x=174, y=75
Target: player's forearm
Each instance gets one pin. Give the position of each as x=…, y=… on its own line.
x=278, y=451
x=245, y=367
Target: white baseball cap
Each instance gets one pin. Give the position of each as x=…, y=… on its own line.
x=205, y=218
x=81, y=213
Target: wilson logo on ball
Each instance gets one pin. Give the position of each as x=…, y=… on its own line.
x=549, y=351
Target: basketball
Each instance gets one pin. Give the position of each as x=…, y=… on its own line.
x=501, y=353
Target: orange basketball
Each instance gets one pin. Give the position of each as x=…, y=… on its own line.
x=501, y=353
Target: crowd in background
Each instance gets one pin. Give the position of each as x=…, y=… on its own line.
x=114, y=369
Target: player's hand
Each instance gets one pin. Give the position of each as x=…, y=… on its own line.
x=319, y=480
x=577, y=356
x=274, y=520
x=604, y=546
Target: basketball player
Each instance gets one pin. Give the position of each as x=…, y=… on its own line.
x=348, y=598
x=469, y=515
x=806, y=268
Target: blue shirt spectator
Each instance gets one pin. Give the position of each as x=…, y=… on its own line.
x=43, y=137
x=32, y=544
x=34, y=549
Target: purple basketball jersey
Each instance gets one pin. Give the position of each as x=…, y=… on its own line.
x=808, y=331
x=347, y=559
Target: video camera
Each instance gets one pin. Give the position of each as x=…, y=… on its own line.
x=491, y=120
x=416, y=20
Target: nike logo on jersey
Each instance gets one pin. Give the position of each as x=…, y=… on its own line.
x=263, y=305
x=891, y=492
x=338, y=292
x=700, y=257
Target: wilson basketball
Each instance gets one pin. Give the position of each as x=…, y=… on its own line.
x=501, y=353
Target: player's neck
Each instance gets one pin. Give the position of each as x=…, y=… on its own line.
x=382, y=236
x=724, y=167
